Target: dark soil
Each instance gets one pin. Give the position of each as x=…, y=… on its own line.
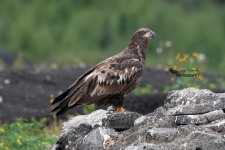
x=26, y=93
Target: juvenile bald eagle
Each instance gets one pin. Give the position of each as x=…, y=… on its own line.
x=111, y=80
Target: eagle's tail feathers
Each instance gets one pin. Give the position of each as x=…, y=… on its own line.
x=64, y=109
x=60, y=106
x=60, y=97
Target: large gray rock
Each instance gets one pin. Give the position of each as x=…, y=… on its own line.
x=190, y=119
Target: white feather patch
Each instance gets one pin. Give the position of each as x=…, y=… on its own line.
x=122, y=77
x=87, y=77
x=101, y=79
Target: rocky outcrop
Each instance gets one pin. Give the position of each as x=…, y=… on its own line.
x=190, y=119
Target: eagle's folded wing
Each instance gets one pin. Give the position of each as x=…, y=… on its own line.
x=108, y=79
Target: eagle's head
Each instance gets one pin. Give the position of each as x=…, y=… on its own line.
x=140, y=41
x=143, y=34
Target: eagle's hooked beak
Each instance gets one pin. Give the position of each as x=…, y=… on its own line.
x=153, y=35
x=150, y=34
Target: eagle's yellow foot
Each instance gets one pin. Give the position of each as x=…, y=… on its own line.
x=119, y=109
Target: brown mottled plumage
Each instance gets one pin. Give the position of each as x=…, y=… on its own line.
x=110, y=80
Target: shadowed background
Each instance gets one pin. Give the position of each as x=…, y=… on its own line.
x=85, y=32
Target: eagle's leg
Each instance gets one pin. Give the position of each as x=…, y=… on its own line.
x=118, y=103
x=119, y=109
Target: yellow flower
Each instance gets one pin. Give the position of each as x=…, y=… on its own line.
x=2, y=130
x=18, y=141
x=180, y=68
x=195, y=54
x=185, y=57
x=178, y=56
x=180, y=60
x=174, y=67
x=167, y=69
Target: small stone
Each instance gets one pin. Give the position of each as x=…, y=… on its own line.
x=190, y=119
x=144, y=146
x=1, y=99
x=161, y=134
x=7, y=81
x=219, y=126
x=121, y=121
x=189, y=110
x=199, y=119
x=214, y=115
x=140, y=120
x=48, y=77
x=98, y=138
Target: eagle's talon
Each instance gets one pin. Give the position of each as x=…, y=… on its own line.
x=119, y=109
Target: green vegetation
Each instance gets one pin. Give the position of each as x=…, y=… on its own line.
x=185, y=64
x=27, y=135
x=33, y=134
x=181, y=83
x=88, y=109
x=70, y=32
x=148, y=89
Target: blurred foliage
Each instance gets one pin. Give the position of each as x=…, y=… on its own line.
x=221, y=83
x=2, y=65
x=88, y=109
x=180, y=83
x=26, y=135
x=148, y=89
x=68, y=32
x=19, y=62
x=185, y=71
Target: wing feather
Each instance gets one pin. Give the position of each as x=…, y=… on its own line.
x=117, y=79
x=116, y=75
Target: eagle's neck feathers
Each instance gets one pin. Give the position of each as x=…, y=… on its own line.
x=138, y=47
